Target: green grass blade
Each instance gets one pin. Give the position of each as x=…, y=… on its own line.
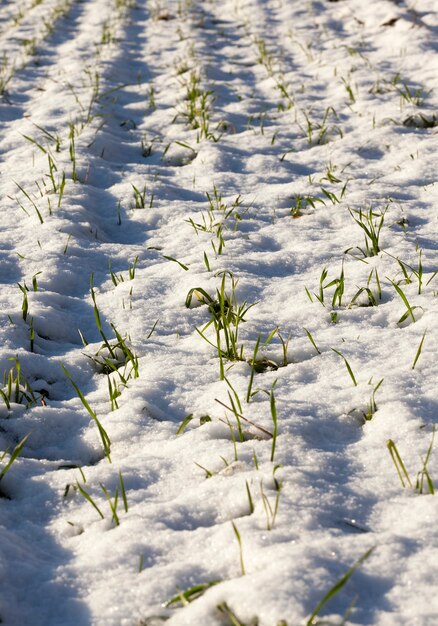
x=347, y=365
x=123, y=492
x=251, y=378
x=420, y=347
x=15, y=453
x=405, y=300
x=274, y=420
x=32, y=202
x=192, y=593
x=239, y=541
x=102, y=432
x=38, y=145
x=312, y=340
x=87, y=496
x=169, y=258
x=184, y=423
x=399, y=465
x=337, y=587
x=250, y=500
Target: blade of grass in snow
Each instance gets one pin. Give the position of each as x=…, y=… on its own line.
x=102, y=432
x=87, y=496
x=337, y=587
x=347, y=365
x=274, y=420
x=192, y=593
x=420, y=347
x=13, y=457
x=398, y=463
x=239, y=541
x=169, y=258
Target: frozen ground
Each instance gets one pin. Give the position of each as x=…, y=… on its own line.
x=306, y=123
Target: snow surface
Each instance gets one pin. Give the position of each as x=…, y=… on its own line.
x=335, y=102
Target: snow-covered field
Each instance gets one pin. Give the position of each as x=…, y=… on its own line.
x=258, y=173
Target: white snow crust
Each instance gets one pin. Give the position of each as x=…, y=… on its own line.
x=154, y=147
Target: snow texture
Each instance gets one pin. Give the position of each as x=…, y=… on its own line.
x=287, y=152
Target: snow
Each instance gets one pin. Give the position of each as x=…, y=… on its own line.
x=314, y=114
